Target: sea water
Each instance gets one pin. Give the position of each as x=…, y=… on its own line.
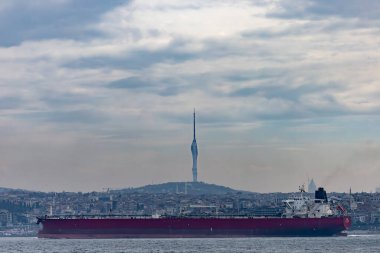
x=352, y=243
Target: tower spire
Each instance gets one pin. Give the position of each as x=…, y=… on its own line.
x=194, y=123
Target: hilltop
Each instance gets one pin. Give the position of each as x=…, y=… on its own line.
x=195, y=188
x=2, y=189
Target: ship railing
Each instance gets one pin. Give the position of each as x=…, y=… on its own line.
x=126, y=216
x=96, y=216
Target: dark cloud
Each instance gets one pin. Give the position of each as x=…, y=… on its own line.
x=10, y=102
x=267, y=34
x=318, y=9
x=170, y=91
x=354, y=15
x=129, y=83
x=286, y=92
x=24, y=20
x=261, y=74
x=308, y=28
x=364, y=9
x=297, y=99
x=165, y=87
x=54, y=99
x=66, y=117
x=136, y=59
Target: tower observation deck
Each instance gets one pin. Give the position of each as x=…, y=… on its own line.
x=194, y=152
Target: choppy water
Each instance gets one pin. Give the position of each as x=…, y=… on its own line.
x=352, y=243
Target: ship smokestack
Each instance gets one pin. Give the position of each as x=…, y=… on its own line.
x=321, y=194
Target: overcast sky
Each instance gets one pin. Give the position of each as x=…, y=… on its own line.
x=100, y=94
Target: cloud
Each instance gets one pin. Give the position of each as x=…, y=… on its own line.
x=165, y=87
x=65, y=117
x=129, y=83
x=134, y=59
x=347, y=9
x=10, y=103
x=175, y=19
x=41, y=20
x=207, y=60
x=62, y=100
x=274, y=75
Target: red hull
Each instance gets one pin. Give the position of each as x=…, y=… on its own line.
x=190, y=227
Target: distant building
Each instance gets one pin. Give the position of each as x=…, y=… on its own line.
x=5, y=218
x=378, y=189
x=194, y=152
x=311, y=187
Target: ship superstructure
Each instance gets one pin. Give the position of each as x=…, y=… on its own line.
x=302, y=206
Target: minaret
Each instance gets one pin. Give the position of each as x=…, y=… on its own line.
x=194, y=152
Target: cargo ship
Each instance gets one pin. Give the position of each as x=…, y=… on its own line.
x=302, y=216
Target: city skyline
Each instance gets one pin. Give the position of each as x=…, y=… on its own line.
x=98, y=94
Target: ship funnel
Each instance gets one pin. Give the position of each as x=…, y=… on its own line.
x=321, y=194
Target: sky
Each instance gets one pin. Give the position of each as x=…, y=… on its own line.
x=100, y=94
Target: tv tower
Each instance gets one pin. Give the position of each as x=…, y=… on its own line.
x=194, y=152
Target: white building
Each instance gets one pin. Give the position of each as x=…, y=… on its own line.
x=311, y=187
